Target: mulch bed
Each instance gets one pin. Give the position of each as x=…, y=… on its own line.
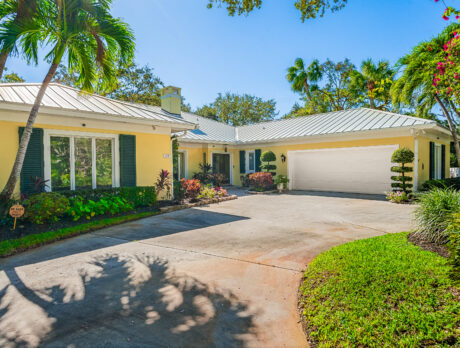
x=441, y=250
x=24, y=228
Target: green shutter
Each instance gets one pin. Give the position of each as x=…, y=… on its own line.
x=33, y=161
x=242, y=162
x=432, y=169
x=443, y=161
x=127, y=160
x=258, y=154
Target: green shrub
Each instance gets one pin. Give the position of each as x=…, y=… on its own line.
x=453, y=160
x=207, y=192
x=266, y=158
x=179, y=192
x=138, y=196
x=435, y=213
x=401, y=181
x=454, y=248
x=80, y=207
x=46, y=207
x=442, y=183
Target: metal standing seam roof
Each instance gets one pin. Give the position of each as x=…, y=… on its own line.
x=63, y=97
x=345, y=121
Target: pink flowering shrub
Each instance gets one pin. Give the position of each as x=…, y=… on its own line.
x=191, y=187
x=220, y=192
x=398, y=197
x=261, y=181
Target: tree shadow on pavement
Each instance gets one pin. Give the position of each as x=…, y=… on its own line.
x=120, y=300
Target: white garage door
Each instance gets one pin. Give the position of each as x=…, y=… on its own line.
x=357, y=169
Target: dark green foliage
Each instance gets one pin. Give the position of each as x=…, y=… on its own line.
x=179, y=192
x=402, y=156
x=139, y=196
x=453, y=160
x=454, y=248
x=81, y=208
x=45, y=207
x=380, y=292
x=453, y=183
x=266, y=158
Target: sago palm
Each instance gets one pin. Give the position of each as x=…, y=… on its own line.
x=416, y=82
x=83, y=32
x=374, y=80
x=21, y=13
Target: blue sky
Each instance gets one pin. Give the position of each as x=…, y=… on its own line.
x=206, y=52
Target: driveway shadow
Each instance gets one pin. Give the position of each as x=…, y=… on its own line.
x=118, y=301
x=373, y=197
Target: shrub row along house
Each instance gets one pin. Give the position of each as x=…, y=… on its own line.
x=88, y=141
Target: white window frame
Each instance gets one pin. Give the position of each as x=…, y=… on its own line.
x=48, y=133
x=247, y=161
x=185, y=164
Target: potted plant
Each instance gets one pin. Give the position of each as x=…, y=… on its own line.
x=281, y=182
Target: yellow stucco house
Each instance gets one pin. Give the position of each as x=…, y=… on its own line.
x=88, y=141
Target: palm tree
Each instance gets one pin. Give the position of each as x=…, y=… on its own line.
x=416, y=81
x=373, y=79
x=20, y=12
x=82, y=31
x=299, y=77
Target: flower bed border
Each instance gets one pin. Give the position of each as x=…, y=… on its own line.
x=262, y=192
x=32, y=241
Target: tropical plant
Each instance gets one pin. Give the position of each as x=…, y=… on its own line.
x=39, y=184
x=204, y=176
x=435, y=213
x=453, y=183
x=191, y=187
x=163, y=182
x=401, y=182
x=416, y=81
x=179, y=192
x=93, y=41
x=282, y=180
x=398, y=196
x=16, y=14
x=81, y=208
x=45, y=207
x=261, y=181
x=207, y=192
x=300, y=76
x=220, y=192
x=373, y=83
x=266, y=158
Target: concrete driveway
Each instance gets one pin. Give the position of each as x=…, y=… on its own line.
x=223, y=275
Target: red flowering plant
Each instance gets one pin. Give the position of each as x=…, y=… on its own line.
x=191, y=187
x=220, y=192
x=163, y=182
x=261, y=181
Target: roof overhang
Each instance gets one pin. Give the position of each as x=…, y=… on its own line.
x=90, y=115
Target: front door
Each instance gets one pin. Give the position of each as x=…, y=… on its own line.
x=221, y=165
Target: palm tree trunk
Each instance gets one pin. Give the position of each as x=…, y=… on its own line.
x=3, y=58
x=452, y=127
x=15, y=172
x=372, y=103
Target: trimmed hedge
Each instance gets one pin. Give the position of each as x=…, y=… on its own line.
x=442, y=183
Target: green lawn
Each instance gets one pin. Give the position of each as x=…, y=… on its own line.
x=13, y=246
x=382, y=291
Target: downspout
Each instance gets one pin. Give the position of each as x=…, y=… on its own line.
x=415, y=133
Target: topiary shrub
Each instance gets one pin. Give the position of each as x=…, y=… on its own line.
x=45, y=207
x=401, y=182
x=435, y=213
x=266, y=158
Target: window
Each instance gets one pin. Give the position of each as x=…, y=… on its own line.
x=76, y=160
x=251, y=161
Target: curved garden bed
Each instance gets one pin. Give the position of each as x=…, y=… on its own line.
x=380, y=291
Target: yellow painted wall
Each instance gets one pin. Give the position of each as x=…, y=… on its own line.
x=150, y=149
x=407, y=141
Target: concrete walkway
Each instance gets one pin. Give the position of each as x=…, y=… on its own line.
x=224, y=275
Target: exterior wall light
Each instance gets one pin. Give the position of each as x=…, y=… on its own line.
x=283, y=158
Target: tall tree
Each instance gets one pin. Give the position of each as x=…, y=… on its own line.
x=84, y=32
x=416, y=81
x=239, y=110
x=373, y=83
x=19, y=13
x=308, y=8
x=325, y=86
x=11, y=77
